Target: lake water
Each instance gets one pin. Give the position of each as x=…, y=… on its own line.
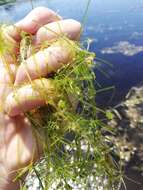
x=116, y=27
x=117, y=32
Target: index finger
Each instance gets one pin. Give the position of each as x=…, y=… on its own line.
x=30, y=24
x=33, y=21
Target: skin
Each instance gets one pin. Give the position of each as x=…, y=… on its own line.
x=18, y=146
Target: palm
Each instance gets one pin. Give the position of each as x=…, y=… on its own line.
x=18, y=143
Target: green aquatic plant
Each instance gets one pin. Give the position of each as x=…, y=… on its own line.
x=77, y=152
x=76, y=149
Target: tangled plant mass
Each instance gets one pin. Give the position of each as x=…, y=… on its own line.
x=73, y=138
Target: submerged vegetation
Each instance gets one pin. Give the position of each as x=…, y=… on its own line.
x=3, y=2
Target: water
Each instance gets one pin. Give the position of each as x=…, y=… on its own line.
x=117, y=32
x=113, y=25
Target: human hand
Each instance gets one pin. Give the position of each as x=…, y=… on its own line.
x=18, y=146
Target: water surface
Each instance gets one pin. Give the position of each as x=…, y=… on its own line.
x=117, y=32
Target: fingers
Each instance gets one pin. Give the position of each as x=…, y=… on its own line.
x=70, y=28
x=7, y=78
x=33, y=21
x=44, y=62
x=9, y=47
x=51, y=59
x=30, y=96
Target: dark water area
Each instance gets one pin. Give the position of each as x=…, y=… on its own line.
x=116, y=29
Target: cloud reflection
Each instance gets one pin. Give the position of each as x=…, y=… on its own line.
x=136, y=35
x=123, y=47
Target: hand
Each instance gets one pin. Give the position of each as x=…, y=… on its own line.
x=18, y=146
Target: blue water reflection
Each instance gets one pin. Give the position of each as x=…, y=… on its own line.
x=116, y=29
